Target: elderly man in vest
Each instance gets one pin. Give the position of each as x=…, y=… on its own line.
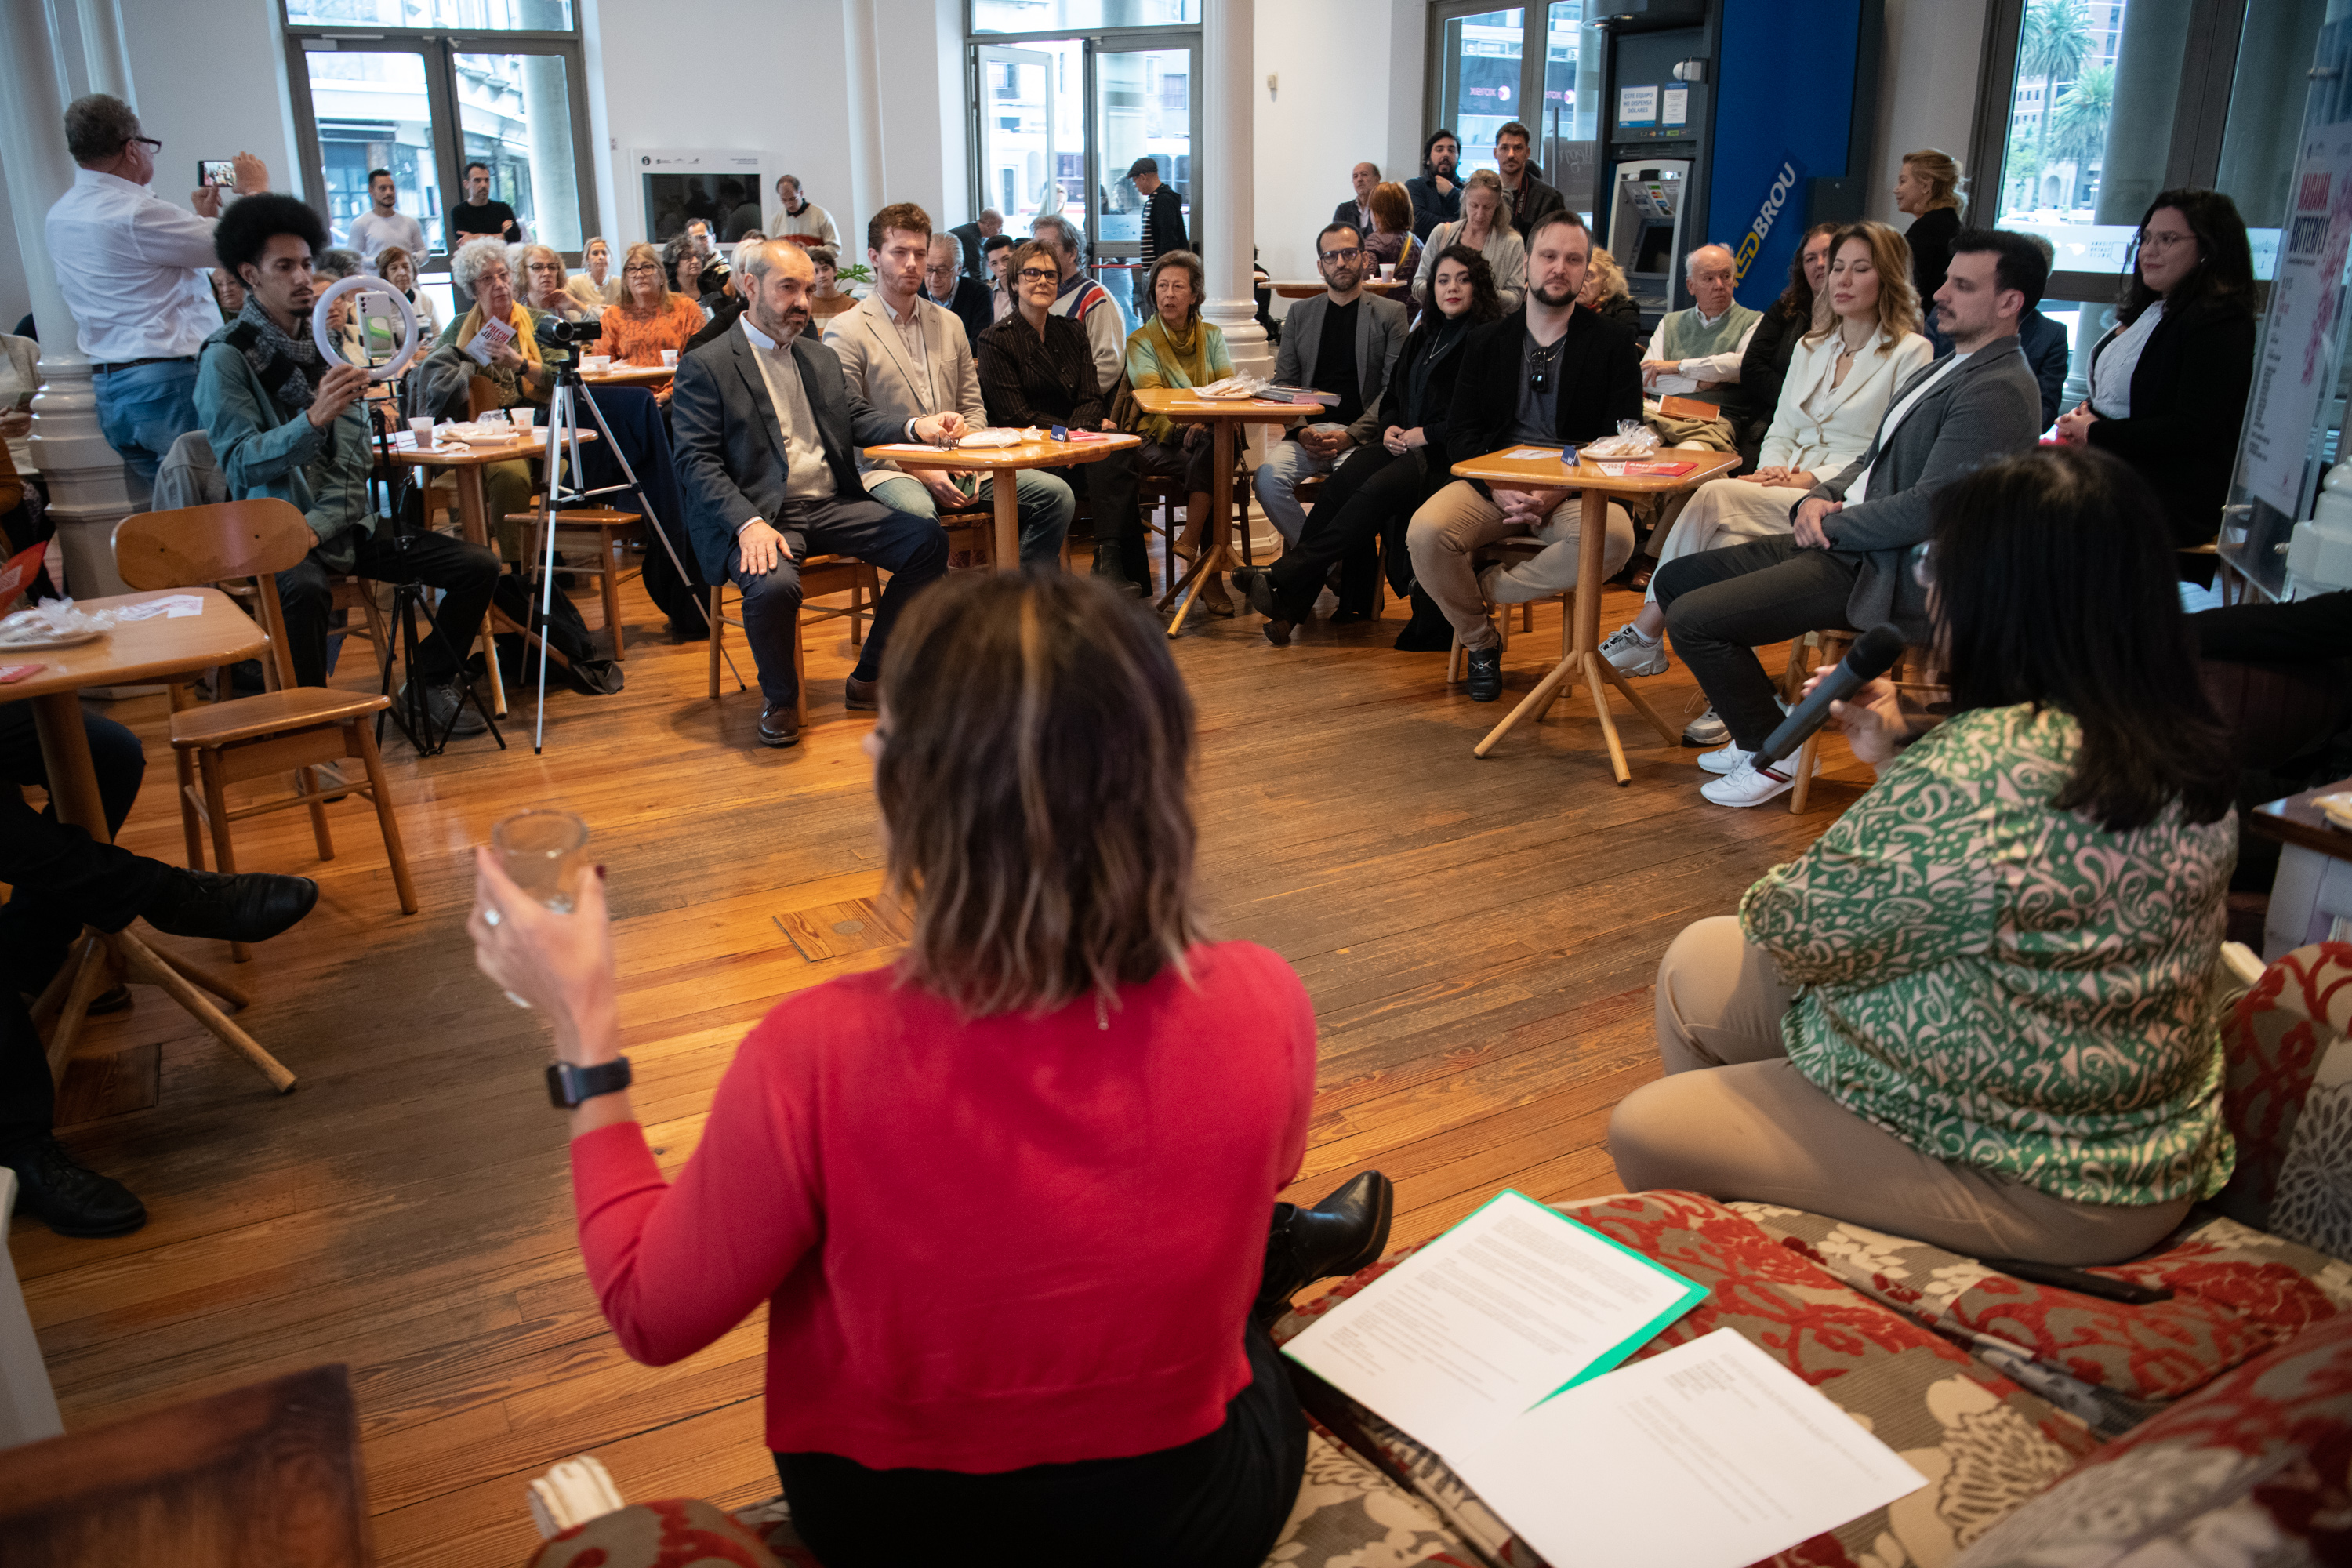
x=1696, y=352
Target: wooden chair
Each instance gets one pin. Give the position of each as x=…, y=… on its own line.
x=1910, y=674
x=822, y=576
x=293, y=728
x=266, y=1473
x=603, y=530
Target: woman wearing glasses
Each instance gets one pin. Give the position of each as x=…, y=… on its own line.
x=648, y=318
x=2169, y=383
x=1485, y=227
x=1974, y=1012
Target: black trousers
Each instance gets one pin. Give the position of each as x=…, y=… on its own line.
x=61, y=879
x=1219, y=1502
x=1372, y=492
x=1723, y=605
x=466, y=574
x=913, y=550
x=1109, y=487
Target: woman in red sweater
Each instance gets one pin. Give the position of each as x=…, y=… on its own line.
x=1006, y=1201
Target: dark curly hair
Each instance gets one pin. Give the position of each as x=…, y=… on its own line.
x=246, y=230
x=1485, y=302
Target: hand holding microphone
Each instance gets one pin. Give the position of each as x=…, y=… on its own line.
x=1872, y=655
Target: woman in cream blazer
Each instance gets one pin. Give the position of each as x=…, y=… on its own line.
x=1865, y=343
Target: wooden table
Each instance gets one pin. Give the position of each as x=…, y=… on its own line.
x=1004, y=504
x=2311, y=894
x=1221, y=415
x=1583, y=656
x=163, y=648
x=631, y=375
x=1308, y=287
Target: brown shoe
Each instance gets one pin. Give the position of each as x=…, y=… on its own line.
x=861, y=696
x=780, y=726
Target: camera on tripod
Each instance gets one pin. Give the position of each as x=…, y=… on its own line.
x=586, y=330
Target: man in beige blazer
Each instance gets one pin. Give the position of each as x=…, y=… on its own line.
x=908, y=357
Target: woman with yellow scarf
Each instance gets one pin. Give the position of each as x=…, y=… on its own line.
x=1176, y=348
x=451, y=384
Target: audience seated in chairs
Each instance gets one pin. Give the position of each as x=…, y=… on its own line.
x=1607, y=294
x=1974, y=1012
x=682, y=263
x=1752, y=404
x=1037, y=369
x=967, y=298
x=450, y=384
x=398, y=268
x=283, y=422
x=997, y=255
x=1376, y=491
x=1845, y=564
x=1865, y=343
x=889, y=1131
x=767, y=436
x=1549, y=373
x=830, y=298
x=2169, y=380
x=1343, y=343
x=1080, y=298
x=1390, y=241
x=1175, y=349
x=596, y=285
x=648, y=317
x=549, y=300
x=1486, y=228
x=907, y=358
x=1704, y=343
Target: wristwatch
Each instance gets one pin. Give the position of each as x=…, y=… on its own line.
x=569, y=1086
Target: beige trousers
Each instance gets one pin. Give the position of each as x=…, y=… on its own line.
x=1734, y=1118
x=1725, y=512
x=1454, y=524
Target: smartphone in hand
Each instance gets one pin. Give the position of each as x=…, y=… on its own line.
x=216, y=171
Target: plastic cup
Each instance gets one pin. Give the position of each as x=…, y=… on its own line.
x=1388, y=272
x=522, y=418
x=422, y=429
x=669, y=359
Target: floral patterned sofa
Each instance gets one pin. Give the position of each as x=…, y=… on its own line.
x=2055, y=1429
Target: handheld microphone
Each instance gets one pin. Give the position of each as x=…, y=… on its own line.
x=1872, y=655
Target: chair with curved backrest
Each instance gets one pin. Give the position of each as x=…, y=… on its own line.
x=293, y=729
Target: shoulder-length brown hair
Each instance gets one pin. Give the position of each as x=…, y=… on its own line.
x=1898, y=301
x=1392, y=208
x=1035, y=781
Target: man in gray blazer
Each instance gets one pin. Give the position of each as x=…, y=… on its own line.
x=1343, y=342
x=907, y=358
x=1848, y=563
x=767, y=437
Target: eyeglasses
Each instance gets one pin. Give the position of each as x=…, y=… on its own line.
x=1341, y=255
x=640, y=271
x=1039, y=275
x=149, y=143
x=2165, y=241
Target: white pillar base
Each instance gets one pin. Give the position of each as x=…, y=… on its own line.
x=92, y=488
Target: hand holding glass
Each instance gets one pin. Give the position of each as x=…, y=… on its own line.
x=543, y=853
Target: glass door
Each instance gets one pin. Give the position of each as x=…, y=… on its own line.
x=1025, y=130
x=372, y=109
x=1479, y=83
x=1144, y=107
x=514, y=115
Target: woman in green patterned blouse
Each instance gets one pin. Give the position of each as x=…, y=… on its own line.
x=1975, y=1011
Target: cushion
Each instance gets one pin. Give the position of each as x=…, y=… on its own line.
x=675, y=1532
x=2256, y=1469
x=1985, y=1443
x=2238, y=1293
x=2288, y=1100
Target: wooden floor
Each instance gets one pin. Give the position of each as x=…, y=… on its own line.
x=1480, y=938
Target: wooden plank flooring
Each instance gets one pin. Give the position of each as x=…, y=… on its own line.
x=1479, y=937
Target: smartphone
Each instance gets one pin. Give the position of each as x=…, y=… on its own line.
x=216, y=171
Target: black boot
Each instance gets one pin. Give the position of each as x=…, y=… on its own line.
x=1345, y=1232
x=69, y=1197
x=1429, y=631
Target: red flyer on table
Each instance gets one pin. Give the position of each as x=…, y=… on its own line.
x=12, y=673
x=21, y=568
x=1659, y=470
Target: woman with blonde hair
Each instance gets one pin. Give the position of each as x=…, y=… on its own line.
x=593, y=285
x=954, y=1181
x=647, y=318
x=1607, y=294
x=1928, y=189
x=1484, y=227
x=1863, y=345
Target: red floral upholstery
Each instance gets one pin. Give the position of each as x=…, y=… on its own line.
x=675, y=1532
x=2255, y=1471
x=2289, y=1099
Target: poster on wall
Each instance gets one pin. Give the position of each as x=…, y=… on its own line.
x=1637, y=106
x=2305, y=324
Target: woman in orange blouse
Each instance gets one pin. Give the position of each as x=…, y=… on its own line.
x=648, y=318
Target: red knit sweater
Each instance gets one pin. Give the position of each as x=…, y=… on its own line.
x=983, y=1245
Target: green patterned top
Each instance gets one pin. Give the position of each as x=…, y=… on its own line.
x=2006, y=986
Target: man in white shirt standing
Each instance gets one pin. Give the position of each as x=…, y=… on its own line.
x=380, y=225
x=132, y=270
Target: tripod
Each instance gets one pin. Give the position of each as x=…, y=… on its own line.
x=563, y=442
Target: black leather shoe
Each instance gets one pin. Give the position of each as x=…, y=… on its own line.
x=1277, y=632
x=69, y=1197
x=1345, y=1232
x=780, y=726
x=1486, y=679
x=861, y=696
x=252, y=906
x=1256, y=585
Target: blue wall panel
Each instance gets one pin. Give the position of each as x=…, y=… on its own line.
x=1783, y=109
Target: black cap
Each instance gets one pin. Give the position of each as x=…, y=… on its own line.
x=1143, y=166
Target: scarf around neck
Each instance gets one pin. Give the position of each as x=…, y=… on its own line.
x=283, y=364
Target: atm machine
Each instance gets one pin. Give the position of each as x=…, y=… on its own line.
x=1644, y=229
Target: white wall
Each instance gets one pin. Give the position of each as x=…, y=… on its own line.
x=1927, y=90
x=1350, y=88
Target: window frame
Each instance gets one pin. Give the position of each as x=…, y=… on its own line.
x=439, y=48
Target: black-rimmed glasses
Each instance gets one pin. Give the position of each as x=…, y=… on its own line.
x=149, y=143
x=1331, y=256
x=1038, y=275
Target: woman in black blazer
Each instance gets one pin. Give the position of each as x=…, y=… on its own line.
x=1375, y=491
x=2169, y=380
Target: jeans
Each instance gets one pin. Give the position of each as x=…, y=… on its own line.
x=145, y=409
x=1276, y=484
x=913, y=550
x=1045, y=504
x=465, y=574
x=61, y=879
x=1723, y=605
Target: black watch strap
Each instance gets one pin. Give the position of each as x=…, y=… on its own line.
x=568, y=1086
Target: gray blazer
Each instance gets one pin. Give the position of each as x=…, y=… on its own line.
x=730, y=449
x=1380, y=338
x=874, y=365
x=1986, y=409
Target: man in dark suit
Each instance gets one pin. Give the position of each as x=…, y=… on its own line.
x=1357, y=210
x=768, y=435
x=1549, y=373
x=1848, y=563
x=1523, y=188
x=945, y=284
x=972, y=235
x=1342, y=342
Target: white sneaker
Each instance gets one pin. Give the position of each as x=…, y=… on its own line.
x=1706, y=729
x=1722, y=764
x=1634, y=654
x=1747, y=785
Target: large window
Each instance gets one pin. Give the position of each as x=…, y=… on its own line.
x=428, y=89
x=1538, y=65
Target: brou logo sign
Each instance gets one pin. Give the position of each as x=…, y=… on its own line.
x=1785, y=181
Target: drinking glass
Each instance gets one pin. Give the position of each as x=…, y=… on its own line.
x=543, y=851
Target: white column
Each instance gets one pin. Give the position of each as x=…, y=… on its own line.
x=1225, y=193
x=106, y=58
x=90, y=488
x=863, y=52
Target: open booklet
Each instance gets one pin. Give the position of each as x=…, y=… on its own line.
x=1489, y=1344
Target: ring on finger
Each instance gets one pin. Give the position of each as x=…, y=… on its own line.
x=491, y=917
